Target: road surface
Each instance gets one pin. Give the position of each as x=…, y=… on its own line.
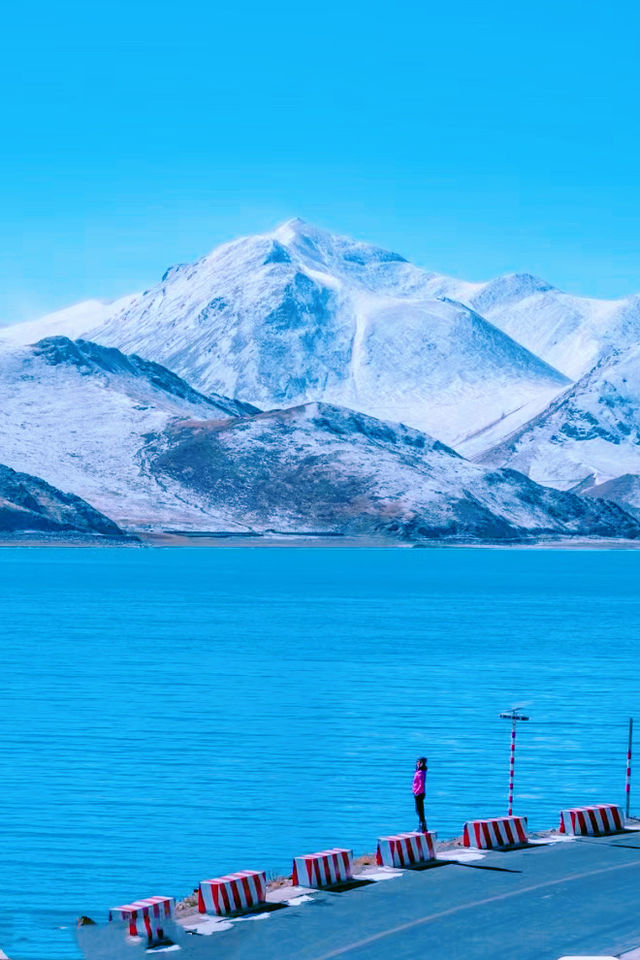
x=540, y=903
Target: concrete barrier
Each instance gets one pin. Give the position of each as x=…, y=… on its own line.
x=323, y=869
x=146, y=918
x=232, y=894
x=406, y=849
x=497, y=832
x=592, y=821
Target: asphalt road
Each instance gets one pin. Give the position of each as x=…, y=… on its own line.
x=538, y=903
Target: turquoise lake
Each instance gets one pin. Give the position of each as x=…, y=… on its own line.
x=173, y=714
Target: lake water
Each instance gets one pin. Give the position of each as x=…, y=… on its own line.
x=173, y=714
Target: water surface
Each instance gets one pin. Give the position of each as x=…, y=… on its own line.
x=172, y=714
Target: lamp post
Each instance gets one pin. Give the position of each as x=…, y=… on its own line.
x=514, y=716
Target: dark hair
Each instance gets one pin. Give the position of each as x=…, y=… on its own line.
x=421, y=761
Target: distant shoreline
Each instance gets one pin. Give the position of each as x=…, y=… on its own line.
x=231, y=539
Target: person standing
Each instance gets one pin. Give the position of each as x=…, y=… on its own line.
x=419, y=790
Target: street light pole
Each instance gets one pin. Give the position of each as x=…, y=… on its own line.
x=514, y=716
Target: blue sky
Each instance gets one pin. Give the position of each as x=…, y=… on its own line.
x=473, y=138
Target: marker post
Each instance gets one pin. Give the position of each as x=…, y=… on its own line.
x=628, y=783
x=514, y=716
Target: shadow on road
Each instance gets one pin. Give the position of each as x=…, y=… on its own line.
x=601, y=843
x=431, y=865
x=348, y=885
x=483, y=866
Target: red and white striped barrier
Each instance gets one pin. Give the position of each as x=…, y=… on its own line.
x=233, y=893
x=406, y=849
x=323, y=869
x=593, y=821
x=497, y=832
x=146, y=917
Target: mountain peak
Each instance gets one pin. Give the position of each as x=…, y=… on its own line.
x=331, y=249
x=297, y=230
x=509, y=288
x=295, y=224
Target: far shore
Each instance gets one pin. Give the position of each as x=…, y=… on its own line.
x=232, y=539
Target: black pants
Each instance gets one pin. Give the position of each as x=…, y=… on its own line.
x=419, y=798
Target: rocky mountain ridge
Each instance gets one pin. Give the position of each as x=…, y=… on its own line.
x=28, y=505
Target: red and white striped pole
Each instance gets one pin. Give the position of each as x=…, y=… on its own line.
x=514, y=716
x=512, y=764
x=628, y=783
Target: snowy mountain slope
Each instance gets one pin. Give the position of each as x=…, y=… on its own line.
x=70, y=322
x=589, y=435
x=143, y=377
x=624, y=490
x=570, y=333
x=27, y=503
x=77, y=414
x=441, y=367
x=323, y=468
x=300, y=315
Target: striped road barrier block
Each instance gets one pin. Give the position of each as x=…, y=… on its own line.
x=323, y=869
x=593, y=821
x=406, y=849
x=232, y=894
x=497, y=832
x=146, y=918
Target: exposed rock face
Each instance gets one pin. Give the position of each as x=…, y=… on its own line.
x=27, y=503
x=325, y=469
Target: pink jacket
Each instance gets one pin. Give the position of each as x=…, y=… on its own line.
x=418, y=782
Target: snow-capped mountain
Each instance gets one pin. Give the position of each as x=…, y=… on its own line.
x=321, y=468
x=300, y=315
x=589, y=435
x=570, y=333
x=28, y=504
x=77, y=415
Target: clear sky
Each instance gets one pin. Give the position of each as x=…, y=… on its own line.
x=474, y=138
